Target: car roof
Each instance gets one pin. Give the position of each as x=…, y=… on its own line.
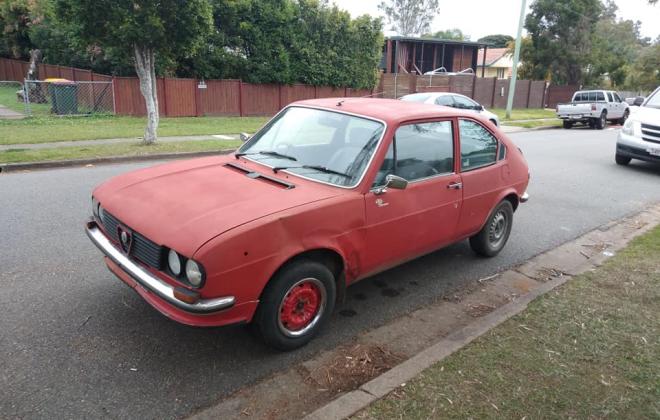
x=392, y=111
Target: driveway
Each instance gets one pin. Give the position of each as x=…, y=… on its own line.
x=75, y=342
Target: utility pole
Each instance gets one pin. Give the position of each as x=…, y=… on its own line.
x=516, y=57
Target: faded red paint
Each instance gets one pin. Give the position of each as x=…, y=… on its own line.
x=242, y=230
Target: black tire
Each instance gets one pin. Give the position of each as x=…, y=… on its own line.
x=622, y=160
x=270, y=320
x=601, y=122
x=567, y=125
x=493, y=236
x=623, y=119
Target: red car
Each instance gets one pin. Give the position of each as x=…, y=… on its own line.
x=329, y=192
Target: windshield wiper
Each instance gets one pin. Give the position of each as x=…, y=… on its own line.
x=267, y=152
x=315, y=167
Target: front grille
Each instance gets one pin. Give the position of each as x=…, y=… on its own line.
x=143, y=249
x=651, y=133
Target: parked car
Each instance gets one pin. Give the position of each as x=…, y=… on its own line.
x=640, y=136
x=454, y=100
x=327, y=193
x=593, y=107
x=441, y=71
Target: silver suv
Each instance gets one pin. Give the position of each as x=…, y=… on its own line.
x=640, y=136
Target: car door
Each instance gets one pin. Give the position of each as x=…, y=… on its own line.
x=401, y=224
x=614, y=110
x=482, y=174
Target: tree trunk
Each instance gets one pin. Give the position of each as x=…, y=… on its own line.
x=146, y=71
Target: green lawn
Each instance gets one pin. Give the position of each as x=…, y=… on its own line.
x=125, y=149
x=533, y=124
x=524, y=114
x=53, y=129
x=589, y=349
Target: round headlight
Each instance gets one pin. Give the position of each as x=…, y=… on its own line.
x=174, y=262
x=193, y=273
x=95, y=207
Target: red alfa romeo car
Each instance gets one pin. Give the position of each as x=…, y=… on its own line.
x=327, y=193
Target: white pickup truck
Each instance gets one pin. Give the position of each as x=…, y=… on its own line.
x=593, y=107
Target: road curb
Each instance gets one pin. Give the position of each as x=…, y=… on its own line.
x=30, y=166
x=354, y=401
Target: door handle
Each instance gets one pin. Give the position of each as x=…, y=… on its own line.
x=455, y=185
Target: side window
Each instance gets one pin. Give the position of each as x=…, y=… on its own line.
x=478, y=146
x=609, y=97
x=600, y=96
x=617, y=97
x=445, y=100
x=464, y=103
x=419, y=151
x=502, y=153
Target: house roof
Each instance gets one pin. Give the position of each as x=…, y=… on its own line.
x=492, y=55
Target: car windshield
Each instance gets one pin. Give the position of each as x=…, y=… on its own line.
x=325, y=146
x=416, y=97
x=654, y=100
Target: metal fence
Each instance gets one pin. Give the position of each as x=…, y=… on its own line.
x=11, y=99
x=67, y=98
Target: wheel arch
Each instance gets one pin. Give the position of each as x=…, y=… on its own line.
x=329, y=257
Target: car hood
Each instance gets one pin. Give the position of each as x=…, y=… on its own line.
x=184, y=204
x=645, y=114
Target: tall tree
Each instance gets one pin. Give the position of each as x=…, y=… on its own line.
x=561, y=33
x=497, y=41
x=454, y=34
x=143, y=28
x=410, y=17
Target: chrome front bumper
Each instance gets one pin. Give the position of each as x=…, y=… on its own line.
x=149, y=281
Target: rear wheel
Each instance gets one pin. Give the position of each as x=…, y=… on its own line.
x=622, y=160
x=602, y=121
x=296, y=304
x=623, y=119
x=493, y=236
x=567, y=124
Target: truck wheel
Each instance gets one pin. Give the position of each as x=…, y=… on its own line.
x=295, y=305
x=493, y=236
x=568, y=125
x=623, y=119
x=602, y=121
x=622, y=160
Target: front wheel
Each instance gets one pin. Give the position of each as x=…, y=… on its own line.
x=567, y=124
x=493, y=236
x=622, y=160
x=295, y=305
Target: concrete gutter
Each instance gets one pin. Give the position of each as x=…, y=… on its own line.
x=30, y=166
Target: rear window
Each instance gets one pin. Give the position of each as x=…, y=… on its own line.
x=592, y=96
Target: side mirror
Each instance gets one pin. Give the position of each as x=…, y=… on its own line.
x=479, y=107
x=638, y=101
x=392, y=181
x=244, y=137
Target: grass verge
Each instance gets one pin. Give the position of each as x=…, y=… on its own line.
x=124, y=149
x=53, y=129
x=524, y=114
x=589, y=349
x=533, y=124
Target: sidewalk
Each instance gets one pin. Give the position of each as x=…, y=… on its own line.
x=8, y=114
x=129, y=140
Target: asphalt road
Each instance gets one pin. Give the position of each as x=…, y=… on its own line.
x=76, y=342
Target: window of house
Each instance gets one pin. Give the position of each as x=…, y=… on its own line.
x=419, y=151
x=500, y=73
x=478, y=146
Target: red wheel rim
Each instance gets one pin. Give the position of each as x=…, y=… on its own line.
x=300, y=306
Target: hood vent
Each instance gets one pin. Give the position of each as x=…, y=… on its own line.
x=256, y=175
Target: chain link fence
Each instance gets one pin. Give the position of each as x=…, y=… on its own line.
x=11, y=99
x=62, y=97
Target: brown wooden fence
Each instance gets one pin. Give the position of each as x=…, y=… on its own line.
x=188, y=97
x=490, y=92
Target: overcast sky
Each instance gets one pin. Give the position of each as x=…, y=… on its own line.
x=478, y=18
